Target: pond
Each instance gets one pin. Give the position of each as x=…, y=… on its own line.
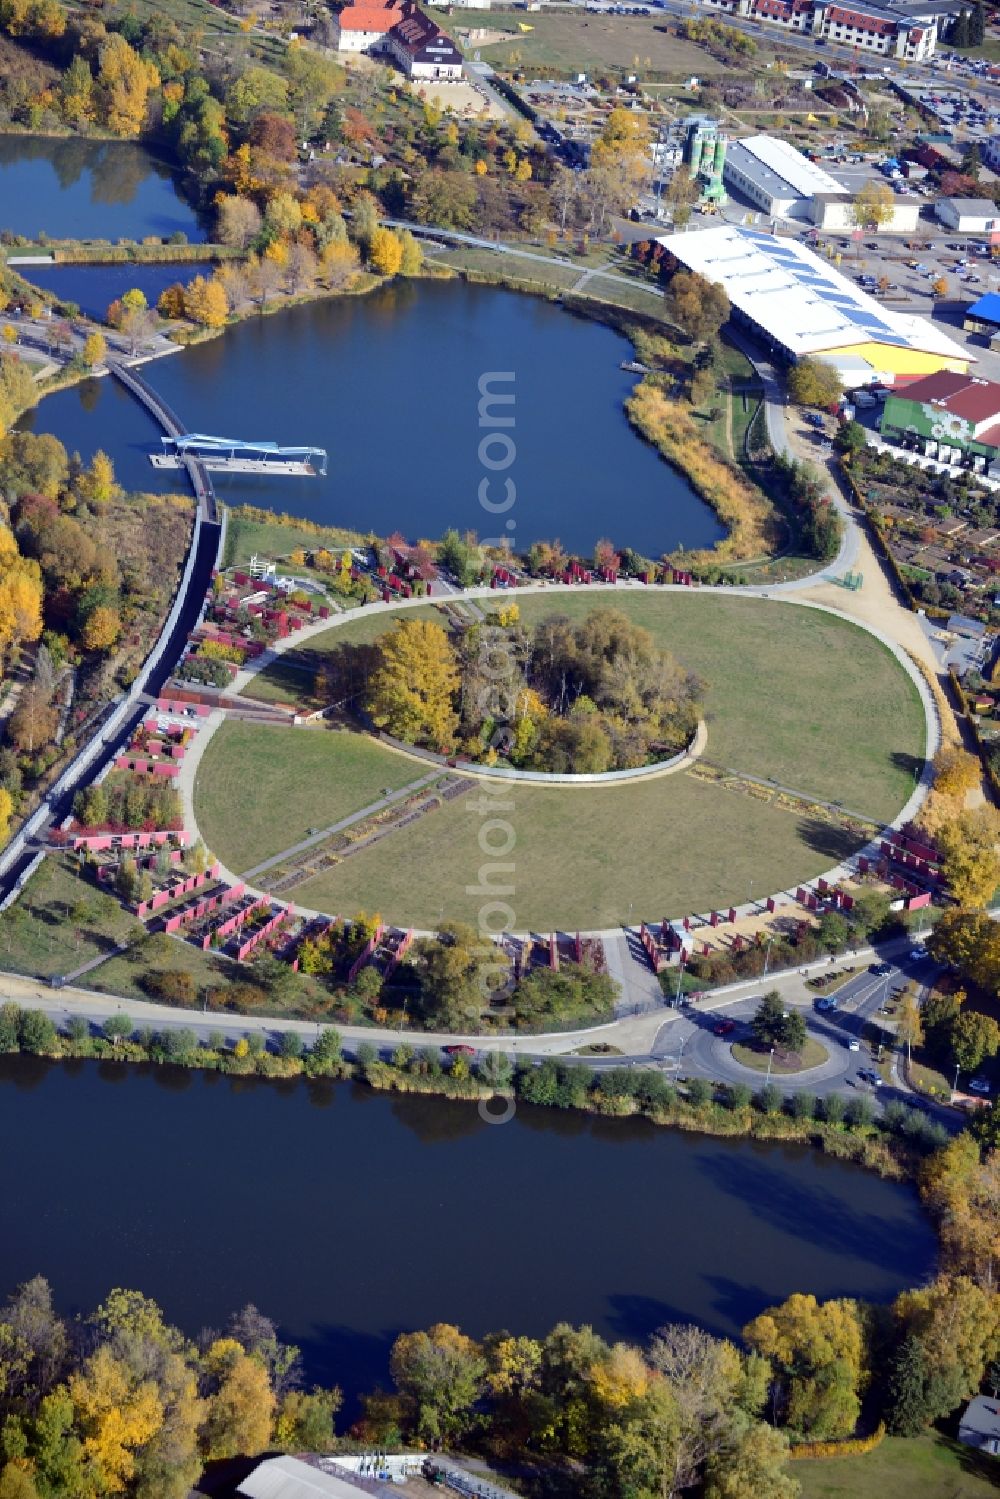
x=349, y=1215
x=70, y=188
x=94, y=287
x=389, y=385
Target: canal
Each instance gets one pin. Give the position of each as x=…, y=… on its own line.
x=349, y=1215
x=389, y=384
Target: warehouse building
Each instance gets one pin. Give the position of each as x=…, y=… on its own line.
x=968, y=215
x=984, y=316
x=798, y=304
x=776, y=178
x=949, y=417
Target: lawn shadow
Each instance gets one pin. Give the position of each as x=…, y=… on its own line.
x=832, y=842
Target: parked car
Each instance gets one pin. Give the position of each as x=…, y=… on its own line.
x=917, y=954
x=814, y=418
x=880, y=969
x=978, y=1085
x=725, y=1027
x=459, y=1051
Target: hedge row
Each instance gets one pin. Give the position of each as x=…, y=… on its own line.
x=853, y=1447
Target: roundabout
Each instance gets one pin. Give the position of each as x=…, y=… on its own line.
x=817, y=736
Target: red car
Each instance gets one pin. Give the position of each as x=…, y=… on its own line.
x=460, y=1051
x=725, y=1027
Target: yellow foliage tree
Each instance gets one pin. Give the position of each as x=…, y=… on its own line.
x=969, y=858
x=95, y=350
x=413, y=690
x=171, y=303
x=955, y=771
x=241, y=1411
x=124, y=81
x=115, y=1415
x=621, y=1377
x=386, y=252
x=205, y=302
x=102, y=629
x=6, y=811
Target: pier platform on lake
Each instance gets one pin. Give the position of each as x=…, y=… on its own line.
x=232, y=455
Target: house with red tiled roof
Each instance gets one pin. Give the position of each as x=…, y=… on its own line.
x=398, y=30
x=950, y=417
x=363, y=25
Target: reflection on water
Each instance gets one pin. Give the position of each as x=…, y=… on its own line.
x=349, y=1215
x=68, y=187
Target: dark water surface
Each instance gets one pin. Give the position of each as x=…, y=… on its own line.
x=389, y=385
x=76, y=189
x=94, y=287
x=348, y=1216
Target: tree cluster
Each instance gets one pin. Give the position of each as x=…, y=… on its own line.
x=120, y=1402
x=582, y=697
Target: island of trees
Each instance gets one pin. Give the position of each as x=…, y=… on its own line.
x=560, y=696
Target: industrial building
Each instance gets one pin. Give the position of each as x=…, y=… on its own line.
x=901, y=30
x=798, y=304
x=775, y=177
x=968, y=215
x=705, y=155
x=949, y=417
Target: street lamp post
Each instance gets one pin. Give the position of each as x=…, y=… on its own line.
x=767, y=954
x=954, y=1086
x=680, y=977
x=769, y=1061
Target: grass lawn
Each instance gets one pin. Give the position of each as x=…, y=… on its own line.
x=40, y=935
x=812, y=724
x=582, y=857
x=122, y=975
x=792, y=694
x=833, y=717
x=271, y=539
x=590, y=43
x=924, y=1467
x=811, y=1055
x=260, y=788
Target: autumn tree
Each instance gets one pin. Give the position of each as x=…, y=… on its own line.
x=32, y=723
x=697, y=305
x=385, y=252
x=239, y=221
x=813, y=382
x=969, y=859
x=971, y=941
x=95, y=350
x=751, y=1465
x=956, y=772
x=412, y=692
x=115, y=1414
x=102, y=629
x=817, y=1353
x=205, y=302
x=440, y=1374
x=957, y=1326
x=124, y=80
x=241, y=1403
x=873, y=207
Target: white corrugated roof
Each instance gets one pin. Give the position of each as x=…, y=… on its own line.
x=797, y=298
x=290, y=1478
x=803, y=176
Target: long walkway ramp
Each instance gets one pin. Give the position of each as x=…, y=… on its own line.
x=172, y=425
